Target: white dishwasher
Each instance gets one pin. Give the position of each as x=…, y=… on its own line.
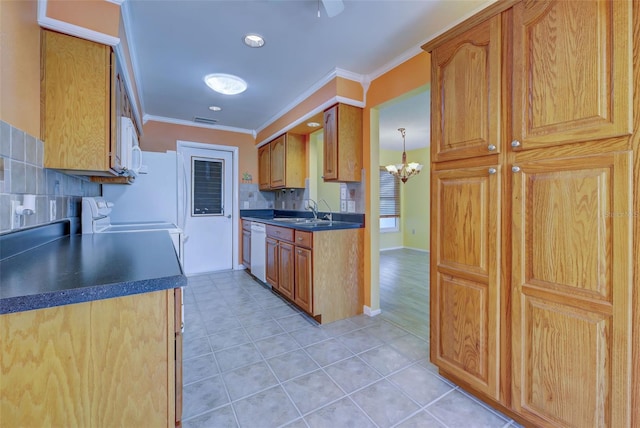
x=258, y=250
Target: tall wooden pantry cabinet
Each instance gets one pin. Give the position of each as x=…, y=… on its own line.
x=535, y=282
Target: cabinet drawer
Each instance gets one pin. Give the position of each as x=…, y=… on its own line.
x=280, y=233
x=304, y=239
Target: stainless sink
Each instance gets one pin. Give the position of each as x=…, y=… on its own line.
x=304, y=221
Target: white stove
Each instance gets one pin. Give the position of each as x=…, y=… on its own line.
x=95, y=219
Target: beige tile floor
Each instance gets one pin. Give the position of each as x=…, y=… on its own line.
x=253, y=360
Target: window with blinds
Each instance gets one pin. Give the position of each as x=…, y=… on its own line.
x=389, y=201
x=207, y=184
x=389, y=194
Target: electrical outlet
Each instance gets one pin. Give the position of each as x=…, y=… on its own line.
x=343, y=206
x=343, y=193
x=52, y=210
x=351, y=206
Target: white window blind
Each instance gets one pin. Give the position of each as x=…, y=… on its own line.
x=207, y=186
x=389, y=194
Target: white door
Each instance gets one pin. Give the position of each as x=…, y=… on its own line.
x=206, y=209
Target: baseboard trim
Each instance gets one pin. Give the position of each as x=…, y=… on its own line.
x=371, y=312
x=404, y=248
x=416, y=249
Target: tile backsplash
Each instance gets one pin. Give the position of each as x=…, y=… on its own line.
x=352, y=197
x=22, y=172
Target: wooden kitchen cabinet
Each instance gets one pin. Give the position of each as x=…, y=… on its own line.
x=565, y=94
x=320, y=272
x=286, y=274
x=572, y=264
x=563, y=330
x=465, y=275
x=303, y=284
x=466, y=94
x=572, y=228
x=246, y=243
x=108, y=362
x=264, y=167
x=342, y=157
x=281, y=163
x=272, y=261
x=82, y=97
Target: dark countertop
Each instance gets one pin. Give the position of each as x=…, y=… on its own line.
x=279, y=218
x=82, y=268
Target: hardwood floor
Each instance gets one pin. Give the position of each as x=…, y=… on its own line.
x=404, y=289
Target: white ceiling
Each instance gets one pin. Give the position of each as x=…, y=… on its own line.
x=175, y=43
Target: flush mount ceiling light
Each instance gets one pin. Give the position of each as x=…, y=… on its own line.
x=404, y=170
x=215, y=108
x=313, y=124
x=226, y=84
x=253, y=40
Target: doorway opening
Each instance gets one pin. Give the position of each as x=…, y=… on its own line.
x=404, y=236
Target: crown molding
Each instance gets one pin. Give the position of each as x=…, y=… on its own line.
x=318, y=109
x=71, y=29
x=147, y=117
x=336, y=72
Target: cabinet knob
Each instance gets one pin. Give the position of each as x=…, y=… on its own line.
x=299, y=251
x=515, y=169
x=492, y=170
x=515, y=143
x=491, y=147
x=299, y=238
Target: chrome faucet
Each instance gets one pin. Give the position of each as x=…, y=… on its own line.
x=328, y=216
x=313, y=206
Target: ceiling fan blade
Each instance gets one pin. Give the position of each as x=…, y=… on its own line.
x=333, y=7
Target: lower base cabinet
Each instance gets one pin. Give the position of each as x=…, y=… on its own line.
x=320, y=272
x=102, y=363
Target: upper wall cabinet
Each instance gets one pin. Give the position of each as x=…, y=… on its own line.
x=81, y=97
x=282, y=163
x=575, y=87
x=342, y=143
x=465, y=103
x=264, y=167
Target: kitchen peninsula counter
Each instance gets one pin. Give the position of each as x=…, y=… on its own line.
x=90, y=328
x=76, y=268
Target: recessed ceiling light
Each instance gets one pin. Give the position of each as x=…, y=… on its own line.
x=215, y=108
x=313, y=124
x=253, y=40
x=227, y=84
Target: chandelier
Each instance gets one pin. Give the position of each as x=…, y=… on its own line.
x=404, y=170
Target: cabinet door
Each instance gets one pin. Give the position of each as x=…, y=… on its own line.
x=466, y=90
x=571, y=273
x=303, y=293
x=465, y=280
x=271, y=260
x=571, y=71
x=330, y=155
x=246, y=248
x=278, y=164
x=76, y=100
x=285, y=269
x=264, y=167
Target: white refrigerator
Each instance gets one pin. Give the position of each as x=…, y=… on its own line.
x=153, y=197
